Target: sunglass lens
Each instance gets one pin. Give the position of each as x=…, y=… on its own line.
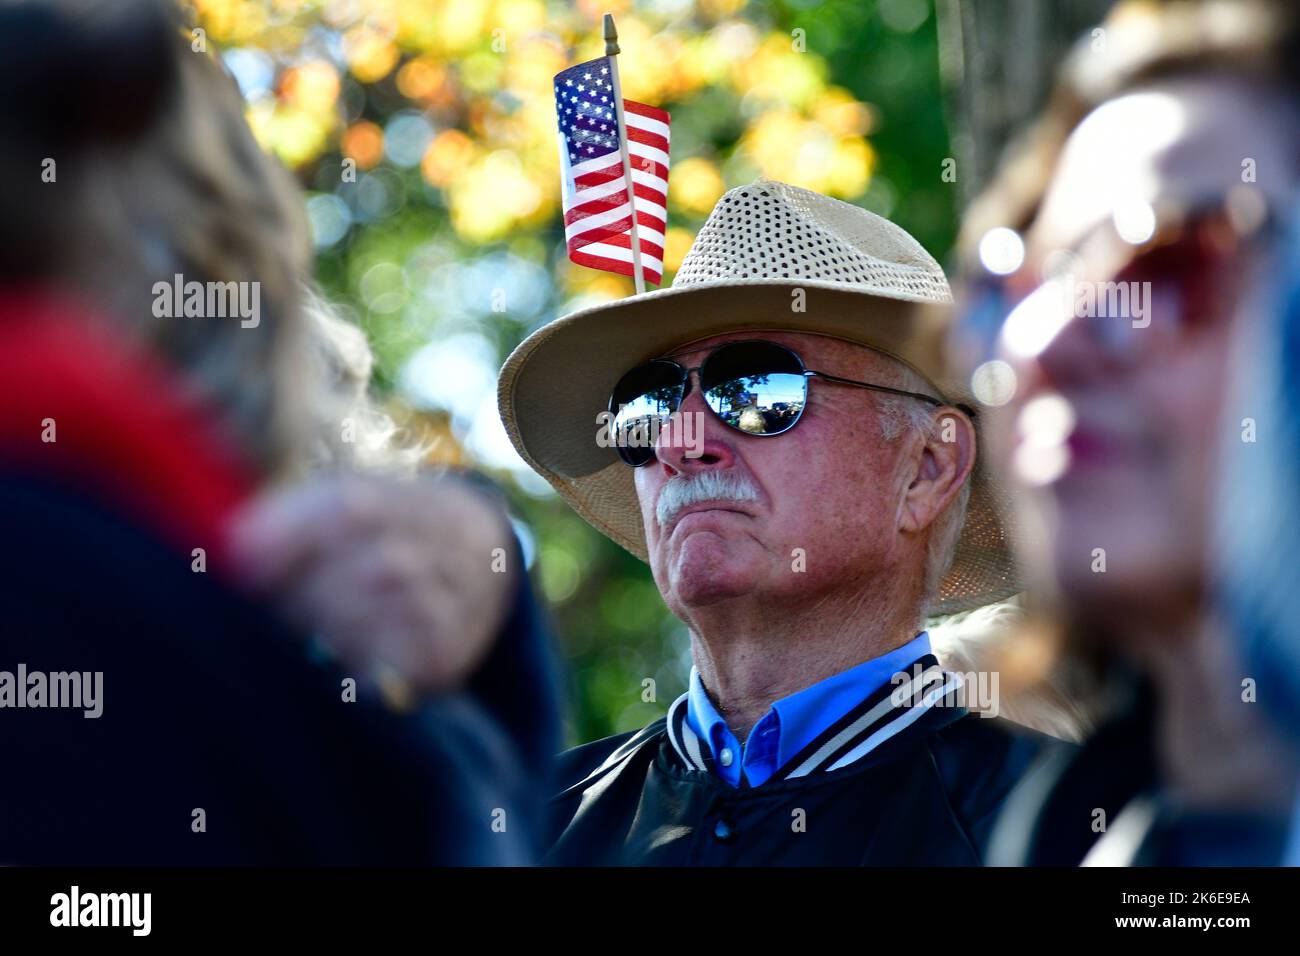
x=642, y=402
x=755, y=387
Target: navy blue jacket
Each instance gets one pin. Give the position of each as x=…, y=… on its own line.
x=927, y=796
x=211, y=704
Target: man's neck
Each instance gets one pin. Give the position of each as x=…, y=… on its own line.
x=751, y=654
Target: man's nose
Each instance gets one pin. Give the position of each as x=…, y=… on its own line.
x=694, y=440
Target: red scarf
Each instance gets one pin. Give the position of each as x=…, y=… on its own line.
x=125, y=433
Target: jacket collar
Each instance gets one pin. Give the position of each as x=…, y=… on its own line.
x=796, y=719
x=890, y=710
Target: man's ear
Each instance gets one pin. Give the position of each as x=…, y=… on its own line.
x=947, y=458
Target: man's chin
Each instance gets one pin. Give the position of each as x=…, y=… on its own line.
x=706, y=568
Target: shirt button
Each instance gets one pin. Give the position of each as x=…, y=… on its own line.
x=724, y=831
x=725, y=757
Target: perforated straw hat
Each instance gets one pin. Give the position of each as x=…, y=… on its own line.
x=863, y=279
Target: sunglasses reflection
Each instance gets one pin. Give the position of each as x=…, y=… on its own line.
x=757, y=388
x=636, y=438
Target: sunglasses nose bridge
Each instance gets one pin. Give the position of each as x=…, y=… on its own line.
x=689, y=374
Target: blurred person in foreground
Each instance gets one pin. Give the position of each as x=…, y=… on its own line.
x=1149, y=197
x=1256, y=530
x=152, y=711
x=774, y=436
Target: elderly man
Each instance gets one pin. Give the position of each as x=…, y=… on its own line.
x=797, y=480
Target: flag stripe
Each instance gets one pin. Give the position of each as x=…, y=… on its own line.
x=577, y=222
x=598, y=176
x=649, y=112
x=649, y=140
x=649, y=152
x=648, y=171
x=651, y=258
x=619, y=266
x=619, y=247
x=599, y=198
x=652, y=239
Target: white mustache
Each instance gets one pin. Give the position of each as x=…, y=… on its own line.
x=687, y=490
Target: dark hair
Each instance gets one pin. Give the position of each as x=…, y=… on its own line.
x=75, y=73
x=1257, y=41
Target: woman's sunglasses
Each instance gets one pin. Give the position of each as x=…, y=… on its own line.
x=1182, y=263
x=756, y=387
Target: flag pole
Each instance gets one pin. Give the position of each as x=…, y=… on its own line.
x=611, y=51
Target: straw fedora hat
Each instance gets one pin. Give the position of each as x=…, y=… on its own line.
x=766, y=250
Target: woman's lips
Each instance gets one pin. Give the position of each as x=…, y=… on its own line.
x=1081, y=452
x=1094, y=446
x=1088, y=446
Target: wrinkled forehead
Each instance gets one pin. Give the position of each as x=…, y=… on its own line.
x=1181, y=141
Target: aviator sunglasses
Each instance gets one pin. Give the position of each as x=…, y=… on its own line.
x=756, y=387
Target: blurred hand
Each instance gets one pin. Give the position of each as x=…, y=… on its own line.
x=394, y=576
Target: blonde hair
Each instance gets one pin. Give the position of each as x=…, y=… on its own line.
x=1049, y=694
x=350, y=429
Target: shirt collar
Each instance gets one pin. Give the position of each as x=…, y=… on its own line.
x=794, y=723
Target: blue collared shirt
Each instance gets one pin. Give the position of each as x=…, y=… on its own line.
x=791, y=723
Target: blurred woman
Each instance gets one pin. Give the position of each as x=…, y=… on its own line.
x=138, y=426
x=1142, y=213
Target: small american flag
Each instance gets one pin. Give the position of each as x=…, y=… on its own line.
x=597, y=216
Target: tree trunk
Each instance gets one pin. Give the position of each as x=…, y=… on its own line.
x=999, y=60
